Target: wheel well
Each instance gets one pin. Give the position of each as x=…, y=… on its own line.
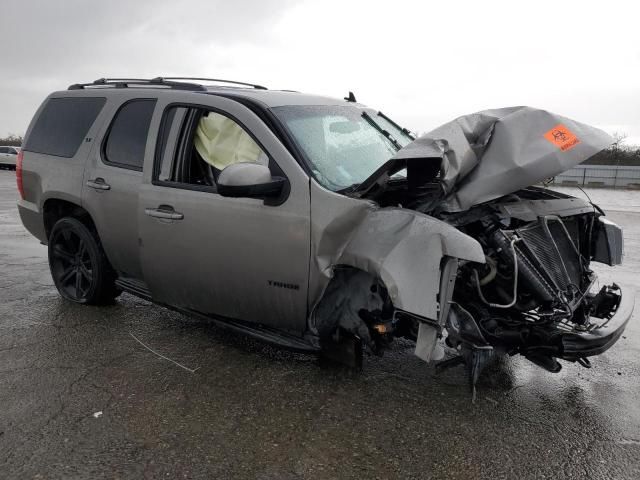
x=350, y=291
x=54, y=209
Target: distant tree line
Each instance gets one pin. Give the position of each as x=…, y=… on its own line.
x=617, y=154
x=11, y=139
x=626, y=156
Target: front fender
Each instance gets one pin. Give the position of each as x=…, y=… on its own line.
x=404, y=249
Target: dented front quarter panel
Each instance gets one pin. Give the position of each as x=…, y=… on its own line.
x=405, y=249
x=402, y=248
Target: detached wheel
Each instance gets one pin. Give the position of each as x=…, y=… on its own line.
x=79, y=267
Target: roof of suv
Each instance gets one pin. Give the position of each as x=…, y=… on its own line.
x=277, y=98
x=270, y=98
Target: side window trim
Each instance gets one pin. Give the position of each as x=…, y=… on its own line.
x=105, y=137
x=186, y=133
x=182, y=152
x=168, y=140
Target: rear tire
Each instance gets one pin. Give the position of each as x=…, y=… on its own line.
x=78, y=264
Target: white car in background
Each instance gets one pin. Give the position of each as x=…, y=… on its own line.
x=8, y=155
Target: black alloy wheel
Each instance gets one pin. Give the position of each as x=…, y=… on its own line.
x=79, y=267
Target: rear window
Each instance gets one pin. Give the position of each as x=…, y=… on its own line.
x=63, y=124
x=127, y=137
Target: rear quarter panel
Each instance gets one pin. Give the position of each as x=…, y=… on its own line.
x=47, y=177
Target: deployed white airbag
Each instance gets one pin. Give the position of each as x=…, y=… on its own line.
x=221, y=142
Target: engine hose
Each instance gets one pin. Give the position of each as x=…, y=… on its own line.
x=489, y=277
x=515, y=281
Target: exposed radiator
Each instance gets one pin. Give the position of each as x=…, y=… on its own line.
x=549, y=248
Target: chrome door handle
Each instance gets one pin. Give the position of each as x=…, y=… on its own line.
x=165, y=212
x=98, y=184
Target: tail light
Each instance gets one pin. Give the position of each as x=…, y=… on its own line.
x=19, y=173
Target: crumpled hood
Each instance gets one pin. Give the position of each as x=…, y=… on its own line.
x=492, y=153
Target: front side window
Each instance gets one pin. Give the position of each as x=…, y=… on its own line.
x=344, y=144
x=4, y=150
x=127, y=136
x=197, y=144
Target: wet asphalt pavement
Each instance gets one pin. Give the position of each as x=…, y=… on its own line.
x=252, y=411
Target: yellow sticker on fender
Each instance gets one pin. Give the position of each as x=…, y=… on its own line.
x=562, y=137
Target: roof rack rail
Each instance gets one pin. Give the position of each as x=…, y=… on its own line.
x=170, y=82
x=219, y=80
x=126, y=82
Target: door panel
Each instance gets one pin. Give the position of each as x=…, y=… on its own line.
x=114, y=212
x=112, y=182
x=231, y=257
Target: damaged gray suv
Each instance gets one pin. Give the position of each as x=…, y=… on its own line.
x=320, y=224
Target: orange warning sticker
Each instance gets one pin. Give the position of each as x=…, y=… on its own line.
x=562, y=137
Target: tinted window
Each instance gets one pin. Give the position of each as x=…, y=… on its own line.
x=127, y=136
x=4, y=150
x=63, y=124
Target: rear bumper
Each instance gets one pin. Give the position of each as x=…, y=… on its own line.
x=597, y=341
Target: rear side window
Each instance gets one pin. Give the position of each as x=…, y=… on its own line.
x=4, y=150
x=127, y=137
x=63, y=124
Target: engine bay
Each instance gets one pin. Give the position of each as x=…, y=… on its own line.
x=536, y=283
x=529, y=288
x=535, y=288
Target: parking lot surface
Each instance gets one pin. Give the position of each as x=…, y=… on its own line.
x=81, y=395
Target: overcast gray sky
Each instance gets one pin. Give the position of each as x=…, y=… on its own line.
x=422, y=63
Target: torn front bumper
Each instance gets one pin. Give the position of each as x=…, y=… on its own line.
x=576, y=345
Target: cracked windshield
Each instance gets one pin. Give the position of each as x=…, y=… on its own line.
x=344, y=145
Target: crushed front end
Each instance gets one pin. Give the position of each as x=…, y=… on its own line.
x=536, y=294
x=528, y=287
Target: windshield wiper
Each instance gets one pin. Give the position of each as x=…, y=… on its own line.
x=384, y=132
x=411, y=136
